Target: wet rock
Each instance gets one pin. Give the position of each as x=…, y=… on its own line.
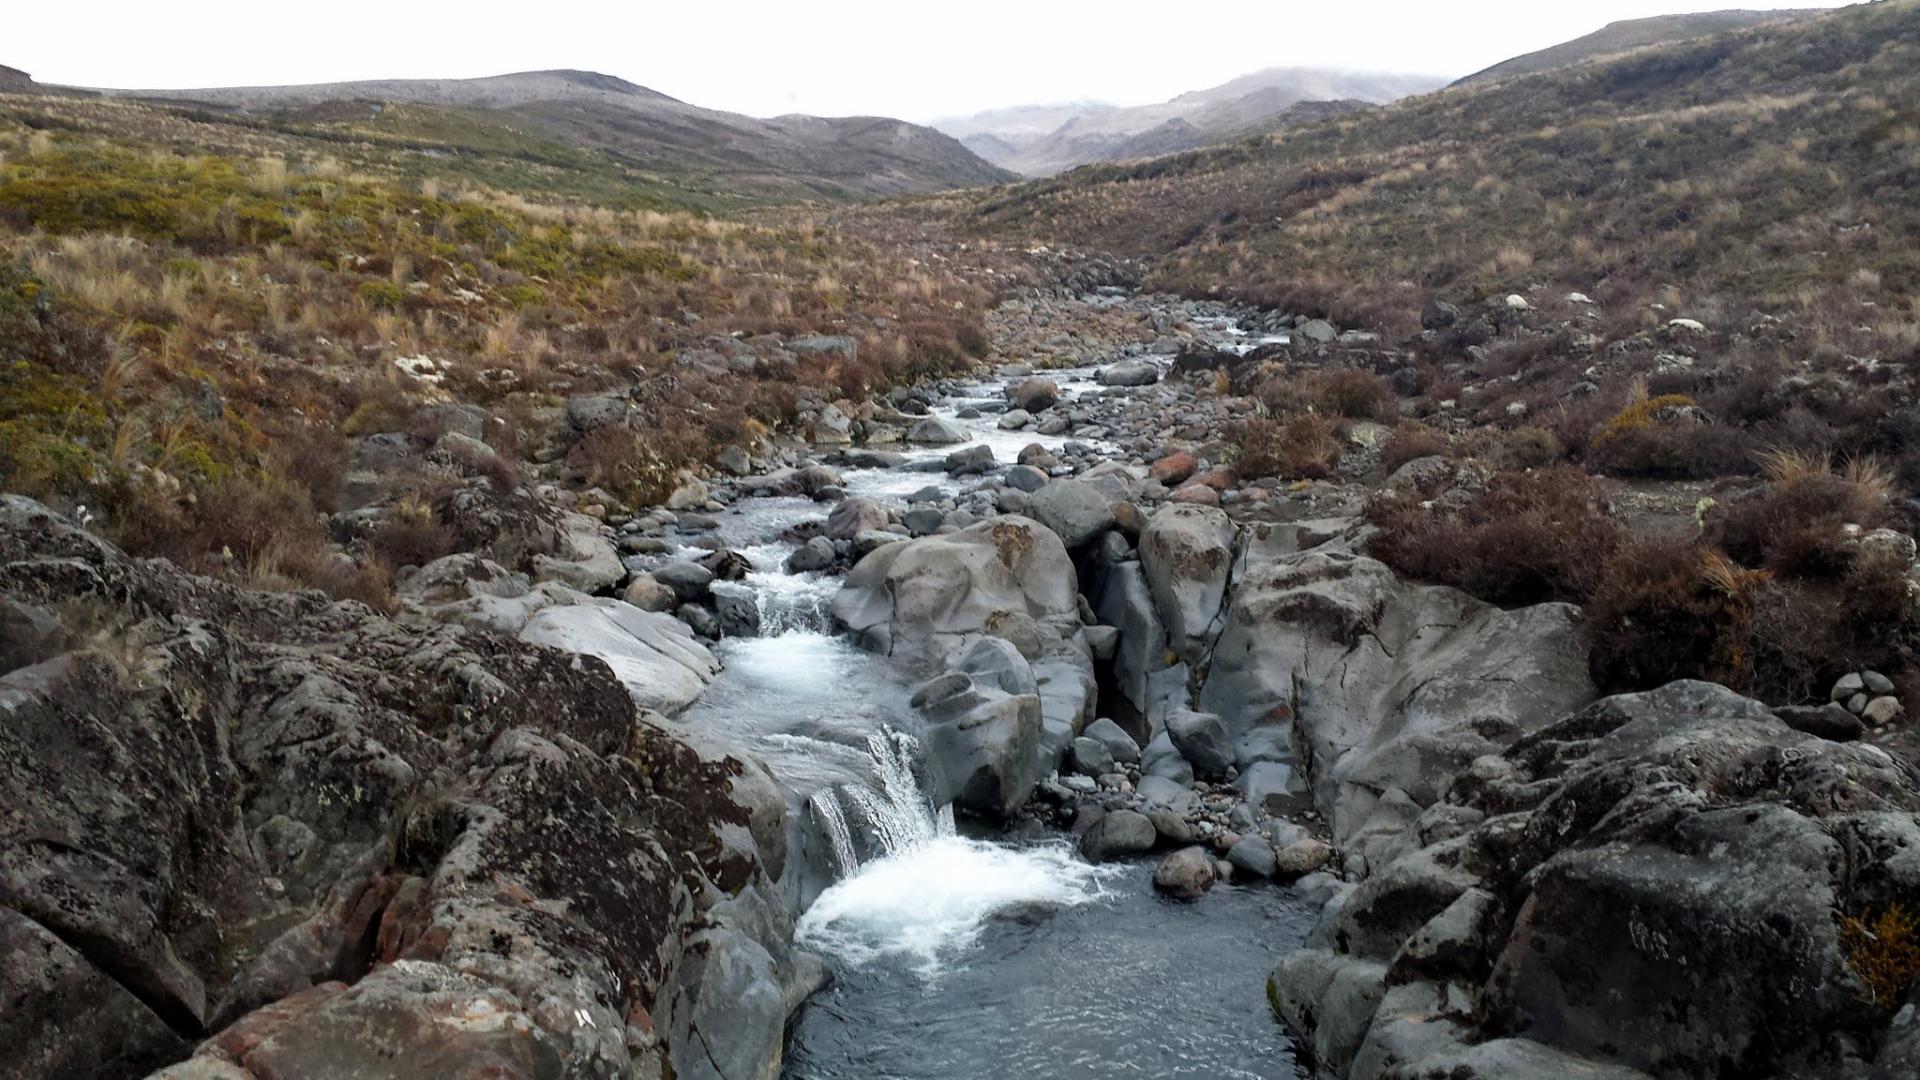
x=984, y=728
x=936, y=431
x=689, y=581
x=972, y=461
x=1034, y=395
x=1254, y=857
x=1130, y=373
x=1118, y=835
x=855, y=516
x=727, y=565
x=814, y=555
x=1186, y=874
x=1014, y=420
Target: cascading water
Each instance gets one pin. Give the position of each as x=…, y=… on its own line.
x=922, y=892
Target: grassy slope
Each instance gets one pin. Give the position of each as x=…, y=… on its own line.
x=1774, y=168
x=1620, y=37
x=196, y=315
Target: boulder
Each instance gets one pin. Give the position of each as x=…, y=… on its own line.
x=1388, y=686
x=1029, y=479
x=647, y=594
x=1186, y=553
x=1077, y=512
x=1319, y=331
x=294, y=837
x=1173, y=469
x=1120, y=745
x=983, y=730
x=585, y=559
x=970, y=461
x=1186, y=874
x=1203, y=740
x=1253, y=856
x=1014, y=420
x=814, y=555
x=936, y=431
x=1090, y=757
x=923, y=601
x=855, y=516
x=1034, y=395
x=1680, y=845
x=1130, y=373
x=653, y=654
x=1118, y=835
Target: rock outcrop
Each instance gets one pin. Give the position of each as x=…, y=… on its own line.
x=1659, y=885
x=1389, y=688
x=290, y=836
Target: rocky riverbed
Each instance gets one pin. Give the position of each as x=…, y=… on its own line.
x=570, y=820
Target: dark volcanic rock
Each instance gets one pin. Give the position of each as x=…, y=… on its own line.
x=1653, y=883
x=306, y=830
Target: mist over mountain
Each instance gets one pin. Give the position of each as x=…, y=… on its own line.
x=1041, y=140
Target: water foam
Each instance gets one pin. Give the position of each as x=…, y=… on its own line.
x=925, y=894
x=931, y=902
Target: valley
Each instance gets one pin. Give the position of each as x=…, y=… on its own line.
x=1336, y=577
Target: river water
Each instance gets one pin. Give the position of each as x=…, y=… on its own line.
x=959, y=955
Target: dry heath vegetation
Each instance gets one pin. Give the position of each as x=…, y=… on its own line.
x=196, y=316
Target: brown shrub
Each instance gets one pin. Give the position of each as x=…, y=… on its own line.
x=1530, y=448
x=1666, y=610
x=1528, y=537
x=1409, y=442
x=412, y=535
x=1360, y=395
x=1309, y=447
x=1254, y=447
x=1795, y=525
x=1674, y=450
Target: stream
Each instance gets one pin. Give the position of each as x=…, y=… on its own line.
x=955, y=954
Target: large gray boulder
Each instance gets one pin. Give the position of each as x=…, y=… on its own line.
x=855, y=516
x=1655, y=883
x=1202, y=739
x=1186, y=552
x=1391, y=688
x=1077, y=512
x=1130, y=373
x=924, y=601
x=653, y=654
x=936, y=431
x=984, y=730
x=294, y=837
x=1121, y=599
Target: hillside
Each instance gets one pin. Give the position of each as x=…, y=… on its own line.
x=1082, y=135
x=1628, y=34
x=1774, y=167
x=789, y=157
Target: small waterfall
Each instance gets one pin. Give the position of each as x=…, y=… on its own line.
x=826, y=806
x=898, y=814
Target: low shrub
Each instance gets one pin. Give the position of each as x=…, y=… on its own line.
x=1409, y=442
x=1528, y=537
x=1309, y=447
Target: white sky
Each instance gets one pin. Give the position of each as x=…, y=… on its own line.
x=906, y=58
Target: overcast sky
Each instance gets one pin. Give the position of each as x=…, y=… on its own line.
x=907, y=58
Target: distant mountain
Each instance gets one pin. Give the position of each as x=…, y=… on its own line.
x=1631, y=34
x=1084, y=133
x=788, y=156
